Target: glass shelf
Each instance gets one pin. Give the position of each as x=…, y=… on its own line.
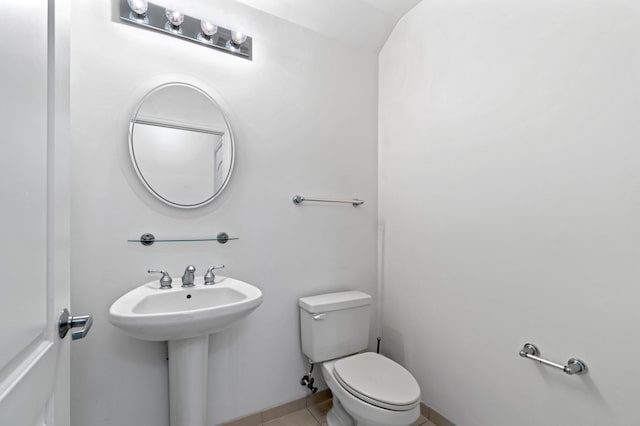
x=149, y=239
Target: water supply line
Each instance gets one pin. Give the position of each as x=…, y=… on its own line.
x=380, y=268
x=307, y=380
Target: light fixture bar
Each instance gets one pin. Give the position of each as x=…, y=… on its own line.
x=155, y=19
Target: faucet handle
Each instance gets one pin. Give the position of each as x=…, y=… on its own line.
x=209, y=277
x=165, y=281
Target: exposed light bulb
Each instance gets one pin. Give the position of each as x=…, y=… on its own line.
x=208, y=28
x=238, y=37
x=174, y=17
x=139, y=7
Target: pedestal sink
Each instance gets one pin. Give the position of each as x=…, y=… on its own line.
x=185, y=316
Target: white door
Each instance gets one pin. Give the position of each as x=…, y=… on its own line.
x=34, y=212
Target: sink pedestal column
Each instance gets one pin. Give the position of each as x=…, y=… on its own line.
x=188, y=361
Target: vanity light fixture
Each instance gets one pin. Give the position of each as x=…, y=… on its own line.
x=138, y=10
x=207, y=32
x=172, y=22
x=237, y=38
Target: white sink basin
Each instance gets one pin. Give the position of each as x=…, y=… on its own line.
x=151, y=313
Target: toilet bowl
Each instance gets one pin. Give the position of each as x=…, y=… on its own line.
x=372, y=390
x=368, y=388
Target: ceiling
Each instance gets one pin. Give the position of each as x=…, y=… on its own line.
x=362, y=23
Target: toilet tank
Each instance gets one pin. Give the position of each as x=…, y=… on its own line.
x=334, y=325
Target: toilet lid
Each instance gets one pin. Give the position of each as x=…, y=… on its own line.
x=378, y=380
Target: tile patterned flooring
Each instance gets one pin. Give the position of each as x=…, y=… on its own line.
x=316, y=415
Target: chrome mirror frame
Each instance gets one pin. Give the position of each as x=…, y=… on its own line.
x=146, y=184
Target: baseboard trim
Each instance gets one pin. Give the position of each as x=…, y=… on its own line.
x=433, y=416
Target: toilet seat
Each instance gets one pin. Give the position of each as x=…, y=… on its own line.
x=378, y=380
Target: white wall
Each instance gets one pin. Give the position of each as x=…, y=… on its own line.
x=304, y=118
x=510, y=190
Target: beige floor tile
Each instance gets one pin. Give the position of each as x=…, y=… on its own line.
x=298, y=418
x=319, y=411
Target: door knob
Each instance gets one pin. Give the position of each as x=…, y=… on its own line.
x=67, y=322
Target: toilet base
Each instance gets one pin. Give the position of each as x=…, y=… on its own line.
x=350, y=411
x=338, y=416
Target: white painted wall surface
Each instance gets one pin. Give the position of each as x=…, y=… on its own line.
x=364, y=24
x=510, y=189
x=304, y=116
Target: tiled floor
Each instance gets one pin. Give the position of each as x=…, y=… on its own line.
x=316, y=415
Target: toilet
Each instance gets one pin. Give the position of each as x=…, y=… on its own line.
x=368, y=388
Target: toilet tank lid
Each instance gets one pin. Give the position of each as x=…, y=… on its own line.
x=334, y=301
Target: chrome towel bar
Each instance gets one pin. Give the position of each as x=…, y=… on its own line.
x=574, y=366
x=297, y=199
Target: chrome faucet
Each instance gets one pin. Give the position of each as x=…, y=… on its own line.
x=189, y=276
x=209, y=277
x=165, y=281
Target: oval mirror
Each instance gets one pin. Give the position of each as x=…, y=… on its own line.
x=181, y=145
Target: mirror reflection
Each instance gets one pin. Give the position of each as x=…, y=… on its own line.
x=181, y=145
